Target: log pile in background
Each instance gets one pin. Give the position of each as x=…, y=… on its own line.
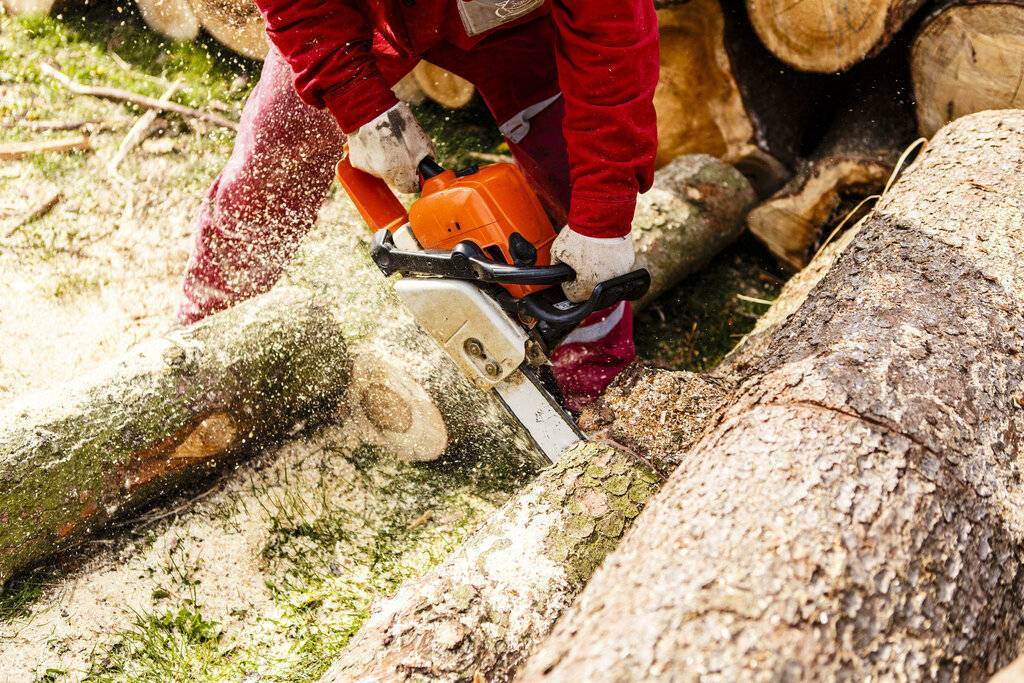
x=722, y=93
x=872, y=126
x=968, y=57
x=828, y=36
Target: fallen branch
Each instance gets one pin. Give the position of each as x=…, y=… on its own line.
x=40, y=210
x=143, y=101
x=10, y=151
x=138, y=132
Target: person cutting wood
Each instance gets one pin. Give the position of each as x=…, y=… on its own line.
x=570, y=83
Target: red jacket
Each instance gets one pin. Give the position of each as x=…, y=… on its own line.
x=347, y=53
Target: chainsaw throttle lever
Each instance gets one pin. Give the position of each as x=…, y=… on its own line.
x=467, y=261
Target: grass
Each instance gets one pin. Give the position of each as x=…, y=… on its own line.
x=693, y=326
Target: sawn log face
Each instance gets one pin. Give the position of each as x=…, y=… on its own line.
x=858, y=508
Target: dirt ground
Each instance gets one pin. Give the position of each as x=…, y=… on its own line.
x=264, y=574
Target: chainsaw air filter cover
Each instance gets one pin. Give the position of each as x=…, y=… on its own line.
x=486, y=207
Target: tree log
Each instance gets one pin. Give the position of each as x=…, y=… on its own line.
x=71, y=459
x=236, y=24
x=827, y=36
x=173, y=19
x=856, y=510
x=722, y=93
x=17, y=7
x=966, y=58
x=695, y=209
x=872, y=127
x=443, y=86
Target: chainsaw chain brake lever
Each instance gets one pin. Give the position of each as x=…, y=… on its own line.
x=466, y=261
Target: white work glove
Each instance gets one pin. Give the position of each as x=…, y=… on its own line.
x=595, y=259
x=390, y=147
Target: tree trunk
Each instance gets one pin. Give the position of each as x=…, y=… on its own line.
x=966, y=58
x=827, y=36
x=695, y=209
x=236, y=24
x=856, y=510
x=873, y=126
x=722, y=93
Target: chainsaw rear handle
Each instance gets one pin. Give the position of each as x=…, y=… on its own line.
x=374, y=199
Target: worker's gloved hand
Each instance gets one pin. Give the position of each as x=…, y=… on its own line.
x=595, y=259
x=390, y=147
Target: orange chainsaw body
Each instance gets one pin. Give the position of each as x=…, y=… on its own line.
x=485, y=207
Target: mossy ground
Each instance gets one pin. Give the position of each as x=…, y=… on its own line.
x=101, y=270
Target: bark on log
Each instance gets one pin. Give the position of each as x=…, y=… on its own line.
x=967, y=58
x=827, y=36
x=722, y=93
x=236, y=24
x=872, y=127
x=71, y=459
x=481, y=613
x=857, y=509
x=694, y=210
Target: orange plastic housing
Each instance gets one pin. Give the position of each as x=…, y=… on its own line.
x=485, y=207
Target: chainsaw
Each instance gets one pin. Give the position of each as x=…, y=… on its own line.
x=474, y=252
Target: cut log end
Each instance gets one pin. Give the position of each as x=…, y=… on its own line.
x=701, y=106
x=442, y=86
x=826, y=36
x=173, y=19
x=27, y=7
x=967, y=58
x=790, y=224
x=402, y=412
x=236, y=24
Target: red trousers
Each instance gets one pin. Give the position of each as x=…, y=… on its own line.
x=268, y=196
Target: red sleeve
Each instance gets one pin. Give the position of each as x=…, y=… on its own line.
x=327, y=43
x=607, y=57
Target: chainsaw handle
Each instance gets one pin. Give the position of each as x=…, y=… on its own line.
x=557, y=317
x=467, y=261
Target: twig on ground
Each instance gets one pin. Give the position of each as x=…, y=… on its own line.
x=134, y=98
x=138, y=132
x=92, y=125
x=19, y=150
x=40, y=210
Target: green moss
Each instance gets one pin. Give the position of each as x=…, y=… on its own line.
x=694, y=325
